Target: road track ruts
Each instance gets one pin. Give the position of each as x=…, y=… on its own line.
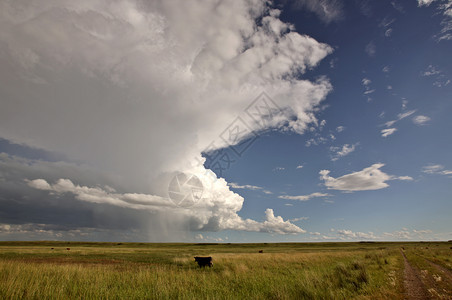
x=444, y=271
x=414, y=287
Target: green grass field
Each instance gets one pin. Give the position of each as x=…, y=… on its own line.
x=33, y=270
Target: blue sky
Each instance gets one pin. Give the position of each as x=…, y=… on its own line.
x=95, y=124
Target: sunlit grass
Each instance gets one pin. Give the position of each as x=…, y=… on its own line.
x=167, y=271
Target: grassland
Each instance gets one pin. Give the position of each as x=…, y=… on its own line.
x=47, y=270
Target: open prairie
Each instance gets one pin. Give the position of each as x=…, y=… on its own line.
x=37, y=270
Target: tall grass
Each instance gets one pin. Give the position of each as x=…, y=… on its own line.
x=157, y=274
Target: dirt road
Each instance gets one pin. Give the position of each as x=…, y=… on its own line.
x=414, y=287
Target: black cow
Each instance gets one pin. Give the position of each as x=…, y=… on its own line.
x=204, y=261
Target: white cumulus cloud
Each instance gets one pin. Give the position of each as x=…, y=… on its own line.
x=370, y=178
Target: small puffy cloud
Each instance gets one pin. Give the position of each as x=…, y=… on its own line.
x=316, y=141
x=279, y=169
x=370, y=178
x=388, y=131
x=436, y=169
x=371, y=49
x=304, y=197
x=299, y=166
x=277, y=224
x=39, y=184
x=406, y=178
x=348, y=234
x=338, y=152
x=386, y=69
x=340, y=128
x=421, y=120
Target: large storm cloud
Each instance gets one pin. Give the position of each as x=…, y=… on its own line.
x=132, y=92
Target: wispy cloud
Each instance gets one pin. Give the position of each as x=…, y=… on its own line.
x=421, y=120
x=388, y=32
x=338, y=152
x=299, y=219
x=400, y=116
x=440, y=79
x=444, y=7
x=249, y=187
x=304, y=197
x=246, y=186
x=327, y=10
x=371, y=49
x=366, y=82
x=388, y=131
x=318, y=140
x=430, y=71
x=436, y=169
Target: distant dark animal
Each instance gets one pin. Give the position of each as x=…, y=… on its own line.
x=261, y=251
x=51, y=248
x=204, y=261
x=68, y=248
x=403, y=248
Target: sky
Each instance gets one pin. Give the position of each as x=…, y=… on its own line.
x=226, y=121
